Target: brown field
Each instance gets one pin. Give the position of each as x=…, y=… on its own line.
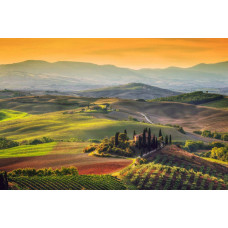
x=85, y=164
x=191, y=117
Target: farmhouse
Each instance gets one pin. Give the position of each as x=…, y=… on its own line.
x=136, y=137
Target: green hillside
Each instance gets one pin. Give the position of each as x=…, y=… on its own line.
x=80, y=126
x=221, y=103
x=6, y=114
x=27, y=150
x=198, y=97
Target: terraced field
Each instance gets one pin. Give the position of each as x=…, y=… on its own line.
x=75, y=182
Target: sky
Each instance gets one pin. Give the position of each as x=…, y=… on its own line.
x=123, y=52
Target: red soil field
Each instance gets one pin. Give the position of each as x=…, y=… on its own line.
x=85, y=164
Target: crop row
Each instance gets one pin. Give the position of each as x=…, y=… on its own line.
x=163, y=176
x=68, y=182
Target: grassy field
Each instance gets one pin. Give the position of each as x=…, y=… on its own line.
x=44, y=149
x=48, y=103
x=223, y=103
x=80, y=126
x=27, y=150
x=6, y=115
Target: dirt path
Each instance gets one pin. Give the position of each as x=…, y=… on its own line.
x=85, y=164
x=147, y=119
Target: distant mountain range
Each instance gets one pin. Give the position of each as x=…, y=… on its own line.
x=75, y=76
x=129, y=91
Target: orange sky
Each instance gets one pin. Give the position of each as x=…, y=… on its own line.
x=134, y=53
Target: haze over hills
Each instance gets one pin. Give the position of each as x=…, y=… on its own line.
x=129, y=91
x=76, y=76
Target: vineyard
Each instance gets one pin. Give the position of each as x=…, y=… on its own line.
x=67, y=182
x=166, y=174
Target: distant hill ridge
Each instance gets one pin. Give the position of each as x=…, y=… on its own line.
x=129, y=91
x=76, y=76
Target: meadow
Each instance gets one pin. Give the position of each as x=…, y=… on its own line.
x=75, y=126
x=6, y=115
x=222, y=103
x=27, y=150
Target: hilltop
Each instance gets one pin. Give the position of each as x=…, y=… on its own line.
x=129, y=91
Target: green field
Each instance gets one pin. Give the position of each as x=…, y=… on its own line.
x=27, y=150
x=75, y=182
x=81, y=126
x=223, y=103
x=6, y=115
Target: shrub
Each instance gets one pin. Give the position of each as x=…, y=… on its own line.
x=140, y=161
x=90, y=148
x=216, y=144
x=94, y=140
x=220, y=153
x=217, y=135
x=44, y=172
x=197, y=132
x=206, y=133
x=193, y=146
x=6, y=143
x=225, y=137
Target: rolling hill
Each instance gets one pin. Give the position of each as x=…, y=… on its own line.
x=75, y=76
x=75, y=126
x=129, y=91
x=197, y=97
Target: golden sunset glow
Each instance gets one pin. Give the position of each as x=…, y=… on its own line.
x=134, y=53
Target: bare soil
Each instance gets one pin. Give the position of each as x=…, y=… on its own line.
x=85, y=164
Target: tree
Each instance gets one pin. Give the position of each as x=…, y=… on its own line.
x=144, y=138
x=160, y=133
x=156, y=143
x=166, y=140
x=134, y=133
x=170, y=139
x=153, y=142
x=125, y=131
x=149, y=140
x=122, y=137
x=140, y=142
x=116, y=138
x=225, y=137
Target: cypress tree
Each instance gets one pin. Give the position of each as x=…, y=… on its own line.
x=170, y=139
x=154, y=142
x=144, y=138
x=166, y=140
x=149, y=139
x=140, y=142
x=160, y=133
x=116, y=138
x=134, y=133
